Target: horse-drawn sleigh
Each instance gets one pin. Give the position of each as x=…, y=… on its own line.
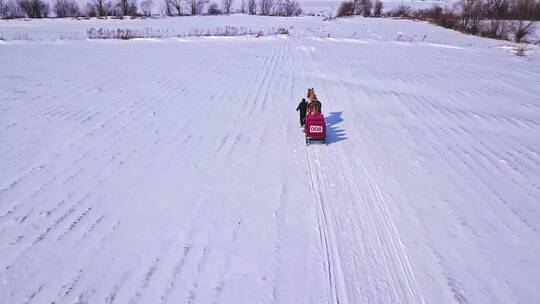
x=312, y=119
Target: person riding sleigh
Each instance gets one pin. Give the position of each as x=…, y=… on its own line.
x=310, y=106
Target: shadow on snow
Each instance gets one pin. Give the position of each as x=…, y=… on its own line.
x=333, y=133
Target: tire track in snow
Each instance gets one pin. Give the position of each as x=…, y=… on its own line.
x=111, y=297
x=268, y=71
x=326, y=232
x=98, y=126
x=384, y=239
x=35, y=241
x=90, y=222
x=176, y=272
x=417, y=109
x=226, y=265
x=279, y=219
x=187, y=248
x=201, y=264
x=331, y=262
x=85, y=154
x=146, y=279
x=470, y=165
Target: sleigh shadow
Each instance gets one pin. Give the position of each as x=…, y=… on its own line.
x=333, y=133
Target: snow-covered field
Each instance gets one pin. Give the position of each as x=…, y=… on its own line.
x=71, y=29
x=376, y=29
x=174, y=171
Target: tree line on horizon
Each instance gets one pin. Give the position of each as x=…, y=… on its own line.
x=498, y=19
x=10, y=9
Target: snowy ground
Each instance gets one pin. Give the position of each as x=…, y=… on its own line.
x=71, y=29
x=174, y=171
x=357, y=28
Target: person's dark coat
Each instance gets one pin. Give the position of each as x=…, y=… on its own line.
x=302, y=107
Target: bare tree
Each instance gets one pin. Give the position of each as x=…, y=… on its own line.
x=166, y=8
x=465, y=7
x=252, y=7
x=192, y=6
x=11, y=9
x=265, y=7
x=3, y=9
x=497, y=9
x=366, y=6
x=476, y=17
x=124, y=6
x=34, y=8
x=525, y=12
x=146, y=8
x=377, y=10
x=196, y=6
x=176, y=5
x=132, y=8
x=401, y=11
x=90, y=10
x=355, y=6
x=345, y=9
x=14, y=10
x=66, y=8
x=277, y=8
x=111, y=8
x=522, y=29
x=497, y=29
x=525, y=9
x=227, y=6
x=289, y=8
x=127, y=7
x=96, y=8
x=243, y=7
x=213, y=9
x=469, y=13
